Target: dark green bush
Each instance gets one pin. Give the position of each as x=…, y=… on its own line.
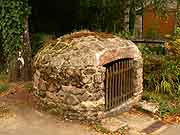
x=38, y=39
x=162, y=71
x=167, y=104
x=103, y=15
x=36, y=42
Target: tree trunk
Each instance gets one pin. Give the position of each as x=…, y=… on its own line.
x=126, y=9
x=132, y=17
x=21, y=64
x=27, y=53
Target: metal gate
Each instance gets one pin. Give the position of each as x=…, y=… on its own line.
x=118, y=82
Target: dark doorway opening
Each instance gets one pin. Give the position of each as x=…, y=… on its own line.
x=118, y=82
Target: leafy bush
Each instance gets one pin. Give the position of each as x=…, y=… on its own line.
x=124, y=34
x=178, y=31
x=162, y=72
x=103, y=15
x=162, y=75
x=37, y=41
x=166, y=103
x=166, y=108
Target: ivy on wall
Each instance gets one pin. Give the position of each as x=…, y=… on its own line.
x=12, y=13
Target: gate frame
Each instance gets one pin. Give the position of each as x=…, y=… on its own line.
x=119, y=85
x=138, y=89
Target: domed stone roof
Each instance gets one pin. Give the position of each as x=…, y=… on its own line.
x=86, y=49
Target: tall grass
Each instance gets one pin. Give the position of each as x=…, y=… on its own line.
x=162, y=68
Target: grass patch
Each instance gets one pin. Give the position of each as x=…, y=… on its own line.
x=99, y=128
x=162, y=76
x=3, y=87
x=167, y=104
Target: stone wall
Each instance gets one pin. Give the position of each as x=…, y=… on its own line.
x=69, y=74
x=76, y=93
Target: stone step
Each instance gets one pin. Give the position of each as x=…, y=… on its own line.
x=158, y=131
x=137, y=120
x=149, y=106
x=154, y=128
x=112, y=124
x=138, y=124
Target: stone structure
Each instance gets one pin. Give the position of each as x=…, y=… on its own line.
x=69, y=73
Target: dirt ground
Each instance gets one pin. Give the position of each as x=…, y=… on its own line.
x=20, y=115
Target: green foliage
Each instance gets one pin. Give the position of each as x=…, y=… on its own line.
x=2, y=66
x=177, y=31
x=12, y=13
x=2, y=59
x=124, y=34
x=162, y=72
x=166, y=109
x=109, y=15
x=39, y=39
x=162, y=75
x=37, y=42
x=103, y=15
x=166, y=103
x=3, y=87
x=99, y=128
x=160, y=6
x=3, y=76
x=178, y=16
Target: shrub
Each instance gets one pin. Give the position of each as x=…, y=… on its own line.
x=37, y=41
x=178, y=31
x=162, y=72
x=167, y=104
x=103, y=15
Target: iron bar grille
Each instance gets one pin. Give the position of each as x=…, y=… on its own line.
x=118, y=82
